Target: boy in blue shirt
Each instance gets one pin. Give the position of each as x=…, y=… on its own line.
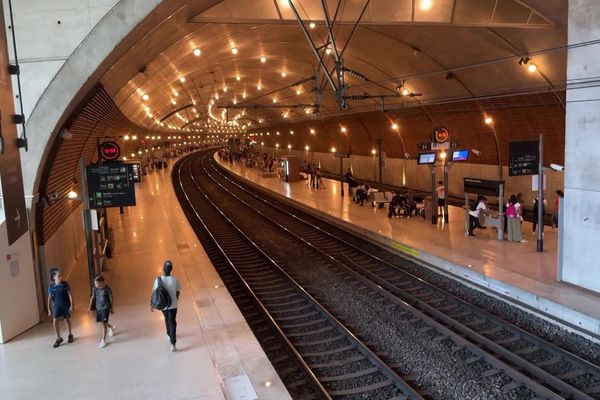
x=102, y=301
x=60, y=305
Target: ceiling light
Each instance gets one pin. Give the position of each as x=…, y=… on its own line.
x=289, y=146
x=405, y=91
x=145, y=97
x=312, y=131
x=197, y=52
x=426, y=5
x=443, y=155
x=343, y=129
x=298, y=92
x=238, y=78
x=307, y=111
x=263, y=59
x=312, y=25
x=244, y=95
x=259, y=87
x=333, y=149
x=274, y=100
x=126, y=137
x=134, y=137
x=373, y=151
x=277, y=145
x=283, y=74
x=225, y=89
x=488, y=120
x=306, y=148
x=182, y=79
x=395, y=127
x=173, y=101
x=291, y=132
x=277, y=133
x=175, y=93
x=328, y=51
x=532, y=67
x=234, y=50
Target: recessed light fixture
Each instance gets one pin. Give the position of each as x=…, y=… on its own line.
x=197, y=52
x=238, y=78
x=225, y=89
x=182, y=79
x=259, y=87
x=426, y=5
x=284, y=74
x=373, y=151
x=263, y=59
x=312, y=25
x=312, y=131
x=333, y=149
x=328, y=50
x=405, y=91
x=173, y=101
x=274, y=100
x=175, y=93
x=343, y=129
x=532, y=67
x=488, y=120
x=145, y=97
x=395, y=126
x=234, y=50
x=298, y=92
x=306, y=148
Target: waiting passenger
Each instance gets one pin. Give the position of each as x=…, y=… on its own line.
x=440, y=193
x=475, y=213
x=319, y=178
x=513, y=220
x=60, y=305
x=395, y=204
x=535, y=212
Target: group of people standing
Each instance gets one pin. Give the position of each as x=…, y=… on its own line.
x=315, y=175
x=60, y=305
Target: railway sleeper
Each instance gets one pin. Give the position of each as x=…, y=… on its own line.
x=304, y=324
x=329, y=352
x=353, y=375
x=294, y=317
x=321, y=341
x=362, y=389
x=338, y=363
x=310, y=333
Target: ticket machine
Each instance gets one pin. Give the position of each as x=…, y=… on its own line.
x=487, y=188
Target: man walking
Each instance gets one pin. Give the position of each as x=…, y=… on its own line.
x=171, y=284
x=60, y=305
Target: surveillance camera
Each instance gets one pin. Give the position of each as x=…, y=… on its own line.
x=53, y=196
x=66, y=134
x=476, y=152
x=407, y=156
x=556, y=167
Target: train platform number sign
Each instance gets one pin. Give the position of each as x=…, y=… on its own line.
x=523, y=158
x=110, y=185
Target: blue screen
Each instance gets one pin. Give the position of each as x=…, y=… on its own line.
x=427, y=158
x=460, y=155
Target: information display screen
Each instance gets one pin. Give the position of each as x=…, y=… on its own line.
x=460, y=155
x=110, y=185
x=426, y=158
x=523, y=158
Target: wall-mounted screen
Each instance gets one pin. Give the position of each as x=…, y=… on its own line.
x=426, y=158
x=460, y=155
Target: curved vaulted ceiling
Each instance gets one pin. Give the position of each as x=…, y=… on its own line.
x=440, y=50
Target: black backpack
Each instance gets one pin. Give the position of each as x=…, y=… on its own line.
x=473, y=206
x=161, y=299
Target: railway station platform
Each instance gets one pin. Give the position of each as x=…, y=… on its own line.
x=218, y=356
x=514, y=272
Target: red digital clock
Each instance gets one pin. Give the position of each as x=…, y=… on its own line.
x=110, y=151
x=441, y=135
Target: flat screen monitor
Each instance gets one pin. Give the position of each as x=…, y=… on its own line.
x=460, y=155
x=426, y=158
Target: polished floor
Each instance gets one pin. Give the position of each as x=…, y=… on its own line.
x=516, y=264
x=217, y=349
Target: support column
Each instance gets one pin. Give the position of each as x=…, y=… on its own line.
x=582, y=177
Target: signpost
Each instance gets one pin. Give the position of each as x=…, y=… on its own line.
x=10, y=161
x=110, y=185
x=526, y=158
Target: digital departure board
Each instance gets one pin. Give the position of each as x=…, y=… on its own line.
x=523, y=158
x=110, y=185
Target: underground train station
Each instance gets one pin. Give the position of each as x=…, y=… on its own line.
x=300, y=199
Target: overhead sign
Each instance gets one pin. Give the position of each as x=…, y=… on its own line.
x=110, y=185
x=10, y=160
x=441, y=134
x=524, y=158
x=482, y=186
x=109, y=151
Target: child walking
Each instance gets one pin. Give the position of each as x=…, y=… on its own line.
x=102, y=301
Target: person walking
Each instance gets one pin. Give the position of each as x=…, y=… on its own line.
x=349, y=179
x=171, y=284
x=60, y=306
x=102, y=301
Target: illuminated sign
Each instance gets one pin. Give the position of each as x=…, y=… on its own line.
x=110, y=151
x=441, y=135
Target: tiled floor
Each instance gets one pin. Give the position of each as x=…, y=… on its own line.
x=214, y=340
x=517, y=264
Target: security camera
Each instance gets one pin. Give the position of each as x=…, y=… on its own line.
x=53, y=196
x=66, y=134
x=556, y=167
x=407, y=156
x=476, y=152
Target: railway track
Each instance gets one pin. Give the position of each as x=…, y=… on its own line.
x=530, y=362
x=315, y=350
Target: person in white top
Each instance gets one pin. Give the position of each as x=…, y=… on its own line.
x=474, y=215
x=170, y=283
x=440, y=193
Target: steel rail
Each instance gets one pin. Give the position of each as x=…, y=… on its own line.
x=525, y=364
x=393, y=377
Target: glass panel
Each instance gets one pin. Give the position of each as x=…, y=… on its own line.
x=391, y=10
x=511, y=12
x=473, y=11
x=433, y=10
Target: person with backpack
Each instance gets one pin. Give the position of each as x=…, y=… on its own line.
x=102, y=300
x=165, y=294
x=513, y=219
x=477, y=207
x=60, y=305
